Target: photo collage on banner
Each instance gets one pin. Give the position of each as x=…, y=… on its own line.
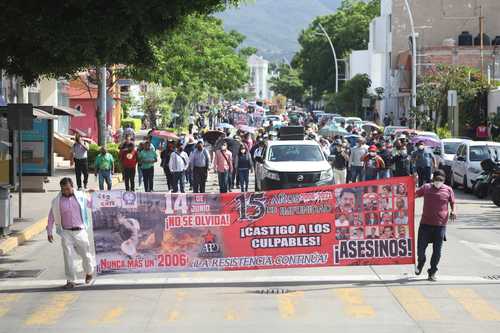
x=373, y=212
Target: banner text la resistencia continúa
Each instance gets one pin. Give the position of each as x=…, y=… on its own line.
x=367, y=223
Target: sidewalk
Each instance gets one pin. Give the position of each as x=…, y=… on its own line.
x=35, y=208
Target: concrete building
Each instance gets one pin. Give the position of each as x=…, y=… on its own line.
x=375, y=61
x=438, y=25
x=259, y=76
x=51, y=92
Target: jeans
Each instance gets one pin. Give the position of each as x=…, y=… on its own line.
x=178, y=181
x=148, y=175
x=371, y=174
x=81, y=169
x=356, y=173
x=243, y=174
x=129, y=179
x=384, y=173
x=430, y=234
x=170, y=179
x=199, y=179
x=104, y=176
x=424, y=175
x=223, y=181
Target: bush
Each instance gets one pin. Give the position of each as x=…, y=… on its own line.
x=134, y=122
x=112, y=149
x=443, y=132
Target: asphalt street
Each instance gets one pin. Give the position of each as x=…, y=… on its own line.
x=466, y=298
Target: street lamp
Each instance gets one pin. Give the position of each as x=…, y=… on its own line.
x=334, y=56
x=413, y=58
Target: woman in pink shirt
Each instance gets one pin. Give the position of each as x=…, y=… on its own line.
x=223, y=165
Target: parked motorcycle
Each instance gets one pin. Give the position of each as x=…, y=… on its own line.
x=495, y=188
x=483, y=185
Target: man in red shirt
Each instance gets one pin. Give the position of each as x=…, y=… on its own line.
x=435, y=215
x=128, y=158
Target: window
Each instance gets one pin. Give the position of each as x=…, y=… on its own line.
x=286, y=153
x=479, y=153
x=451, y=147
x=460, y=151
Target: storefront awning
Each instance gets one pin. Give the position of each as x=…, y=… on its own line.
x=67, y=111
x=40, y=114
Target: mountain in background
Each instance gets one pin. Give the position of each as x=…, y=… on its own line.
x=273, y=26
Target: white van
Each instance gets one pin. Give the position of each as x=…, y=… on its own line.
x=466, y=166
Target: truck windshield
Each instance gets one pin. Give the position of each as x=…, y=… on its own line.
x=286, y=153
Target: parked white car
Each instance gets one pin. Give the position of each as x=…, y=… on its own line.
x=466, y=165
x=446, y=153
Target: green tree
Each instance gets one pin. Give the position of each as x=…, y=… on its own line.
x=58, y=38
x=158, y=100
x=348, y=100
x=196, y=60
x=470, y=85
x=348, y=29
x=288, y=83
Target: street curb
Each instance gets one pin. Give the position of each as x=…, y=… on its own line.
x=11, y=242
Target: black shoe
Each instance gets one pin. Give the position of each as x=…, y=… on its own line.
x=418, y=269
x=432, y=277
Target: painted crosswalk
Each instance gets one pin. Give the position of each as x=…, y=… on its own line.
x=420, y=303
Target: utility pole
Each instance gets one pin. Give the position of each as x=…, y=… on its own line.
x=413, y=59
x=334, y=57
x=102, y=106
x=481, y=32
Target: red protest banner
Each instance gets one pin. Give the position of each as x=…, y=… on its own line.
x=367, y=223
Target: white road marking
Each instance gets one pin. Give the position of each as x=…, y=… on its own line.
x=389, y=279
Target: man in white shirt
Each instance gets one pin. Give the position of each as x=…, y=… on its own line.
x=356, y=160
x=178, y=164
